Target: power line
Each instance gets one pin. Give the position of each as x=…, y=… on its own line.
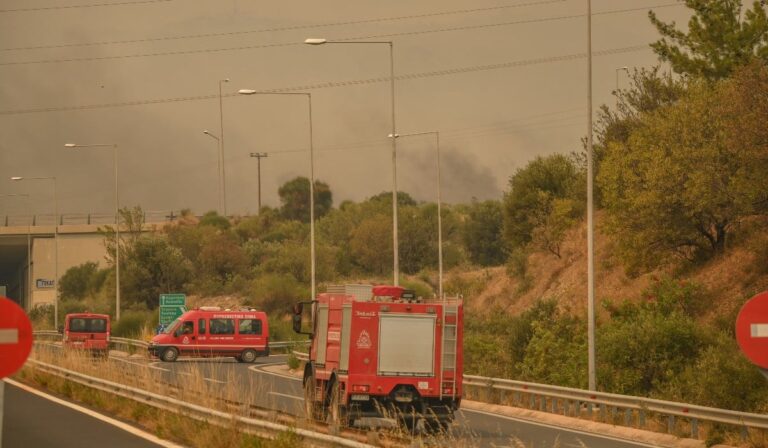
x=375, y=36
x=288, y=28
x=325, y=85
x=91, y=5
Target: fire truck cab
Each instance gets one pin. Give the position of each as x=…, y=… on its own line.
x=379, y=351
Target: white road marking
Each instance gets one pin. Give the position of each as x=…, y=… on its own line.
x=563, y=428
x=287, y=396
x=259, y=370
x=118, y=424
x=149, y=366
x=215, y=381
x=9, y=336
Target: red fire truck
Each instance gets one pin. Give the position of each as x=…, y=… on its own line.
x=379, y=351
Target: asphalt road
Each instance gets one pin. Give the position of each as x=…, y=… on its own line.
x=284, y=393
x=31, y=421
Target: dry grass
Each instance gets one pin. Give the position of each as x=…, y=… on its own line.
x=192, y=387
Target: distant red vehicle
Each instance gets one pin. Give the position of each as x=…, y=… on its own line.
x=87, y=331
x=211, y=331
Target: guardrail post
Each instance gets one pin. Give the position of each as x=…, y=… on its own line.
x=589, y=409
x=516, y=399
x=641, y=419
x=671, y=424
x=602, y=412
x=628, y=417
x=532, y=402
x=543, y=403
x=744, y=433
x=614, y=411
x=501, y=396
x=566, y=405
x=694, y=428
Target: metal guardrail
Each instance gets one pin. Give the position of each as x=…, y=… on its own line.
x=571, y=402
x=136, y=343
x=261, y=428
x=150, y=216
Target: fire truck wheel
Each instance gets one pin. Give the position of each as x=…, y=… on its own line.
x=170, y=354
x=311, y=408
x=248, y=356
x=337, y=413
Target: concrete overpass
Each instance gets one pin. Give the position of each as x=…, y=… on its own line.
x=28, y=251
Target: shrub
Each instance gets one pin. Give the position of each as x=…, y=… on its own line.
x=135, y=323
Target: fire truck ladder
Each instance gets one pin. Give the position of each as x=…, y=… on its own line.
x=450, y=327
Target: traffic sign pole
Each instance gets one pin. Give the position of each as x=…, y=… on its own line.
x=2, y=405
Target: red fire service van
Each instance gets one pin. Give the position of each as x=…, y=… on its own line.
x=210, y=331
x=87, y=331
x=379, y=351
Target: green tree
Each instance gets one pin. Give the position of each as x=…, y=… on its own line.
x=294, y=197
x=213, y=219
x=152, y=267
x=371, y=244
x=678, y=186
x=718, y=40
x=80, y=281
x=482, y=233
x=533, y=189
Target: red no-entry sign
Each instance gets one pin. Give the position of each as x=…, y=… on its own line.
x=752, y=329
x=15, y=337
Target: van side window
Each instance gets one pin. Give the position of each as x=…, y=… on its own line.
x=222, y=326
x=201, y=326
x=188, y=327
x=250, y=326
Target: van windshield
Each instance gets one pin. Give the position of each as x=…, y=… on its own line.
x=171, y=327
x=88, y=325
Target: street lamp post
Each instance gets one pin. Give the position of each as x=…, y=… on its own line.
x=396, y=256
x=311, y=178
x=439, y=207
x=222, y=162
x=590, y=220
x=259, y=156
x=117, y=217
x=28, y=287
x=218, y=143
x=626, y=69
x=55, y=243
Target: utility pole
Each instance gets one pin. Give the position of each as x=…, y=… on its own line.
x=258, y=156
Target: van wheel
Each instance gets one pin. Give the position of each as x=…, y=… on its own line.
x=248, y=356
x=170, y=354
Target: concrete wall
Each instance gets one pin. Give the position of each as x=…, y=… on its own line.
x=74, y=249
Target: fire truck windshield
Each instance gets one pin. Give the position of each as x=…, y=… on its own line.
x=171, y=327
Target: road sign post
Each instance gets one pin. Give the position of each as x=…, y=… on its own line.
x=15, y=345
x=752, y=330
x=171, y=307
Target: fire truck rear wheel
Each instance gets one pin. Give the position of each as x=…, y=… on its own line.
x=248, y=356
x=170, y=354
x=311, y=408
x=337, y=413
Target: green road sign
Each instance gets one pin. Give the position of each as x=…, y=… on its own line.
x=173, y=300
x=171, y=307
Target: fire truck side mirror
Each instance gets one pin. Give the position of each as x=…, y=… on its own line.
x=297, y=323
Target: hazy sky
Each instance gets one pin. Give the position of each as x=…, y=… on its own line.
x=503, y=81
